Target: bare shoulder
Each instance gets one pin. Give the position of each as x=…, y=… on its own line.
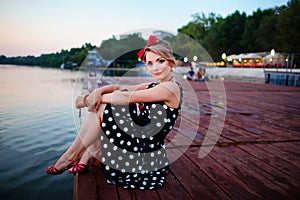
x=173, y=91
x=171, y=85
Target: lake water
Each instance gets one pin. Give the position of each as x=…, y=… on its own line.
x=36, y=127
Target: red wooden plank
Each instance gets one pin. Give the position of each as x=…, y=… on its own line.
x=257, y=174
x=194, y=180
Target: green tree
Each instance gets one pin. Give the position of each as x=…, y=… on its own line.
x=289, y=27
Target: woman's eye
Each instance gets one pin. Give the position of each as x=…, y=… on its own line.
x=149, y=64
x=161, y=61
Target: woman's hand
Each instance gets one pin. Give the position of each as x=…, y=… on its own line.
x=93, y=101
x=79, y=102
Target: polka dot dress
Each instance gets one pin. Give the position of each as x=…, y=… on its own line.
x=133, y=150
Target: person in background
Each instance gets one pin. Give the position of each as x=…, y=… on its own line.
x=131, y=123
x=190, y=74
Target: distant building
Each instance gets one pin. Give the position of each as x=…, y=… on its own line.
x=162, y=34
x=95, y=59
x=124, y=36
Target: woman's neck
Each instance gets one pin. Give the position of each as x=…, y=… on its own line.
x=168, y=78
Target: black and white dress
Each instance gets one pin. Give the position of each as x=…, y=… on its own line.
x=133, y=150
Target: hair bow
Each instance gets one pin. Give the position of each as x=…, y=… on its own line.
x=151, y=41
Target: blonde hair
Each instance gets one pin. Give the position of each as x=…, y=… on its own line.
x=162, y=48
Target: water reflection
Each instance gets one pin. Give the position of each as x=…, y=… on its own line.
x=36, y=126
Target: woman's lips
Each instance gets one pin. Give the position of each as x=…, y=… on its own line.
x=157, y=73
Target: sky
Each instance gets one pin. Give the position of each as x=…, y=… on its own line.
x=35, y=27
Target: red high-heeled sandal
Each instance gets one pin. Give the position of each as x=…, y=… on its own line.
x=54, y=171
x=79, y=168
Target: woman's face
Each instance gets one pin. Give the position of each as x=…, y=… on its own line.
x=158, y=66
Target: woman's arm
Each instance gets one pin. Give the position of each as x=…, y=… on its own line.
x=168, y=92
x=95, y=97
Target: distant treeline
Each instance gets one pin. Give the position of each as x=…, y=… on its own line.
x=275, y=28
x=75, y=55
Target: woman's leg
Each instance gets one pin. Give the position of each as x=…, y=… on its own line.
x=92, y=151
x=87, y=135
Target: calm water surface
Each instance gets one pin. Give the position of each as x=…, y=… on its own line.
x=36, y=126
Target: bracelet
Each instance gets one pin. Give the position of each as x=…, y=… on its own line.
x=84, y=99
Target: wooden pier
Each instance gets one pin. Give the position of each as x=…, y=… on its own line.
x=256, y=156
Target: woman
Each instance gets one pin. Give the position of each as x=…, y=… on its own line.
x=132, y=123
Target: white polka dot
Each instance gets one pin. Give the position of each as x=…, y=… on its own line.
x=131, y=156
x=140, y=167
x=174, y=116
x=121, y=142
x=127, y=164
x=133, y=169
x=123, y=170
x=107, y=167
x=171, y=109
x=118, y=134
x=128, y=143
x=152, y=154
x=104, y=146
x=151, y=138
x=108, y=154
x=124, y=151
x=103, y=159
x=135, y=148
x=113, y=174
x=110, y=119
x=120, y=158
x=106, y=111
x=153, y=106
x=117, y=114
x=154, y=178
x=170, y=127
x=112, y=161
x=115, y=148
x=123, y=110
x=125, y=129
x=158, y=152
x=114, y=127
x=152, y=163
x=165, y=106
x=103, y=124
x=158, y=124
x=111, y=140
x=151, y=145
x=121, y=121
x=107, y=132
x=101, y=138
x=159, y=112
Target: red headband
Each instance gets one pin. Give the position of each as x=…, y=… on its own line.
x=151, y=41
